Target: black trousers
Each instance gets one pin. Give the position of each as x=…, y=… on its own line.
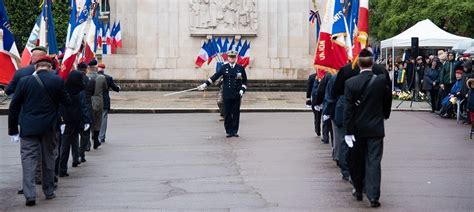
x=317, y=120
x=364, y=165
x=85, y=142
x=328, y=135
x=232, y=115
x=434, y=99
x=69, y=143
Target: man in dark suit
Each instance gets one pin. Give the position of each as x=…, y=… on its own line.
x=368, y=103
x=111, y=85
x=344, y=74
x=311, y=95
x=86, y=111
x=36, y=100
x=234, y=87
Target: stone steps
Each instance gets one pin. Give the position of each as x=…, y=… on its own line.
x=178, y=85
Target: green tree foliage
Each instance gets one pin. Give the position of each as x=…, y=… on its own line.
x=390, y=17
x=23, y=15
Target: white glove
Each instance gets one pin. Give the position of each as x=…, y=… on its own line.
x=15, y=138
x=350, y=139
x=241, y=92
x=202, y=87
x=120, y=88
x=326, y=117
x=86, y=127
x=317, y=107
x=62, y=128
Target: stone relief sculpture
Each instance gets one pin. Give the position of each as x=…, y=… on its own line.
x=223, y=16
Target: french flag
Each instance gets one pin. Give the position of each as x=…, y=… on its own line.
x=203, y=55
x=117, y=36
x=108, y=39
x=361, y=34
x=91, y=37
x=326, y=59
x=32, y=42
x=47, y=33
x=9, y=57
x=244, y=55
x=76, y=36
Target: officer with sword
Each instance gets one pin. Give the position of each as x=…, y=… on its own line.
x=234, y=86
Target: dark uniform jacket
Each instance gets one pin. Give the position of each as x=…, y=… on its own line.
x=367, y=119
x=20, y=73
x=111, y=85
x=72, y=114
x=311, y=90
x=38, y=112
x=234, y=80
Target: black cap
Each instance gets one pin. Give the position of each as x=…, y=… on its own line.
x=93, y=63
x=40, y=48
x=365, y=53
x=82, y=66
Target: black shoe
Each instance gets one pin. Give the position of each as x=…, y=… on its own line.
x=357, y=195
x=346, y=178
x=103, y=141
x=55, y=179
x=96, y=145
x=374, y=204
x=20, y=191
x=236, y=135
x=75, y=164
x=88, y=149
x=64, y=175
x=30, y=202
x=83, y=160
x=38, y=182
x=228, y=135
x=51, y=196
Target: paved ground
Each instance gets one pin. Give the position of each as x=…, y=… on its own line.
x=204, y=101
x=183, y=161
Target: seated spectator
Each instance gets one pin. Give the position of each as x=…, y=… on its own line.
x=448, y=102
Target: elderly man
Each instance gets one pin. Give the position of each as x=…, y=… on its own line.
x=110, y=85
x=97, y=100
x=36, y=100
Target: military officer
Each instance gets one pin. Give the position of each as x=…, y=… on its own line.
x=234, y=86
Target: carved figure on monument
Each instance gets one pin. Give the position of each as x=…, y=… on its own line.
x=213, y=14
x=229, y=13
x=252, y=11
x=194, y=17
x=204, y=14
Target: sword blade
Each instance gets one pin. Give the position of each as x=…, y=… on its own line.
x=179, y=92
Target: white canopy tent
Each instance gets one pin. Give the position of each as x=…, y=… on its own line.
x=429, y=35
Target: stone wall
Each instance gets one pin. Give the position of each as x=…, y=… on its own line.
x=158, y=43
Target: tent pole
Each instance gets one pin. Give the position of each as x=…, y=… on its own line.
x=393, y=67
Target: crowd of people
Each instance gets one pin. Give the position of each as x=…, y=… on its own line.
x=53, y=119
x=443, y=79
x=352, y=106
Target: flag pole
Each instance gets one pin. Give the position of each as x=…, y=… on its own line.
x=45, y=2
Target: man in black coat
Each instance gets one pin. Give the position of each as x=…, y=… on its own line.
x=368, y=103
x=72, y=119
x=311, y=92
x=86, y=111
x=36, y=100
x=111, y=85
x=234, y=87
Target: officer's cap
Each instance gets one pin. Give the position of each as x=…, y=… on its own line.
x=101, y=65
x=232, y=53
x=82, y=66
x=45, y=59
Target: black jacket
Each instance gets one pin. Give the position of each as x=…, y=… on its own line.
x=232, y=83
x=111, y=85
x=367, y=119
x=72, y=114
x=347, y=72
x=309, y=88
x=20, y=73
x=38, y=113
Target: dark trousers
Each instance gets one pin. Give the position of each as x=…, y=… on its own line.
x=70, y=143
x=327, y=131
x=85, y=142
x=434, y=99
x=231, y=115
x=30, y=147
x=317, y=121
x=341, y=150
x=364, y=166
